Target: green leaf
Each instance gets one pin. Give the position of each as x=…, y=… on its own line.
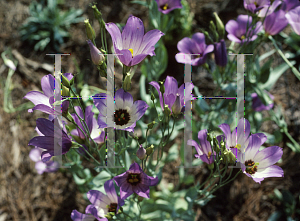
x=140, y=3
x=127, y=160
x=100, y=179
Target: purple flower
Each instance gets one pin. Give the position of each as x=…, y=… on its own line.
x=101, y=204
x=242, y=30
x=136, y=181
x=132, y=45
x=44, y=101
x=220, y=53
x=293, y=17
x=96, y=134
x=97, y=56
x=255, y=5
x=288, y=5
x=259, y=164
x=257, y=105
x=46, y=140
x=165, y=6
x=126, y=112
x=204, y=150
x=267, y=9
x=194, y=45
x=239, y=135
x=275, y=22
x=40, y=166
x=173, y=96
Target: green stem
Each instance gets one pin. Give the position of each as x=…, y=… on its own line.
x=295, y=71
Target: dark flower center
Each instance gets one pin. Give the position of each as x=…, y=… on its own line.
x=121, y=117
x=199, y=55
x=113, y=207
x=134, y=178
x=164, y=7
x=251, y=167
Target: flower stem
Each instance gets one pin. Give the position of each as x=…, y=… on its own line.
x=295, y=71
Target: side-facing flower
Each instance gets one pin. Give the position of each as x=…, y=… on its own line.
x=255, y=5
x=293, y=17
x=44, y=101
x=239, y=136
x=165, y=6
x=136, y=181
x=275, y=22
x=132, y=46
x=126, y=112
x=40, y=166
x=259, y=164
x=204, y=150
x=257, y=105
x=49, y=131
x=96, y=54
x=173, y=96
x=101, y=204
x=242, y=30
x=220, y=53
x=97, y=134
x=195, y=46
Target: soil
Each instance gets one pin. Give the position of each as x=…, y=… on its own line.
x=25, y=195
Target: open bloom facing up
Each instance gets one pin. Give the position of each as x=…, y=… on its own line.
x=195, y=46
x=255, y=5
x=101, y=204
x=43, y=101
x=40, y=166
x=136, y=181
x=97, y=134
x=173, y=96
x=257, y=105
x=132, y=46
x=126, y=112
x=204, y=150
x=293, y=17
x=239, y=136
x=275, y=22
x=165, y=6
x=259, y=164
x=48, y=131
x=242, y=30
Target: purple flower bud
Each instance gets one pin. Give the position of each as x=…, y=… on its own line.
x=97, y=56
x=220, y=53
x=293, y=18
x=257, y=105
x=141, y=153
x=176, y=108
x=275, y=22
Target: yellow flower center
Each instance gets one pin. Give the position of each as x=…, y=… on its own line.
x=251, y=167
x=209, y=154
x=255, y=3
x=238, y=146
x=131, y=50
x=243, y=37
x=165, y=7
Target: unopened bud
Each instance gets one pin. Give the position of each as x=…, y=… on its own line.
x=65, y=81
x=151, y=125
x=65, y=91
x=96, y=54
x=90, y=33
x=167, y=110
x=211, y=166
x=127, y=82
x=208, y=137
x=9, y=63
x=152, y=97
x=220, y=25
x=213, y=29
x=141, y=153
x=229, y=156
x=149, y=150
x=176, y=108
x=162, y=87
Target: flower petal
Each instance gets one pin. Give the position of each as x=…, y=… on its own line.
x=37, y=97
x=268, y=156
x=47, y=84
x=111, y=191
x=35, y=154
x=149, y=41
x=115, y=34
x=142, y=190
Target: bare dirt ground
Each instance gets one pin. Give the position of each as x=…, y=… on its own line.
x=25, y=195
